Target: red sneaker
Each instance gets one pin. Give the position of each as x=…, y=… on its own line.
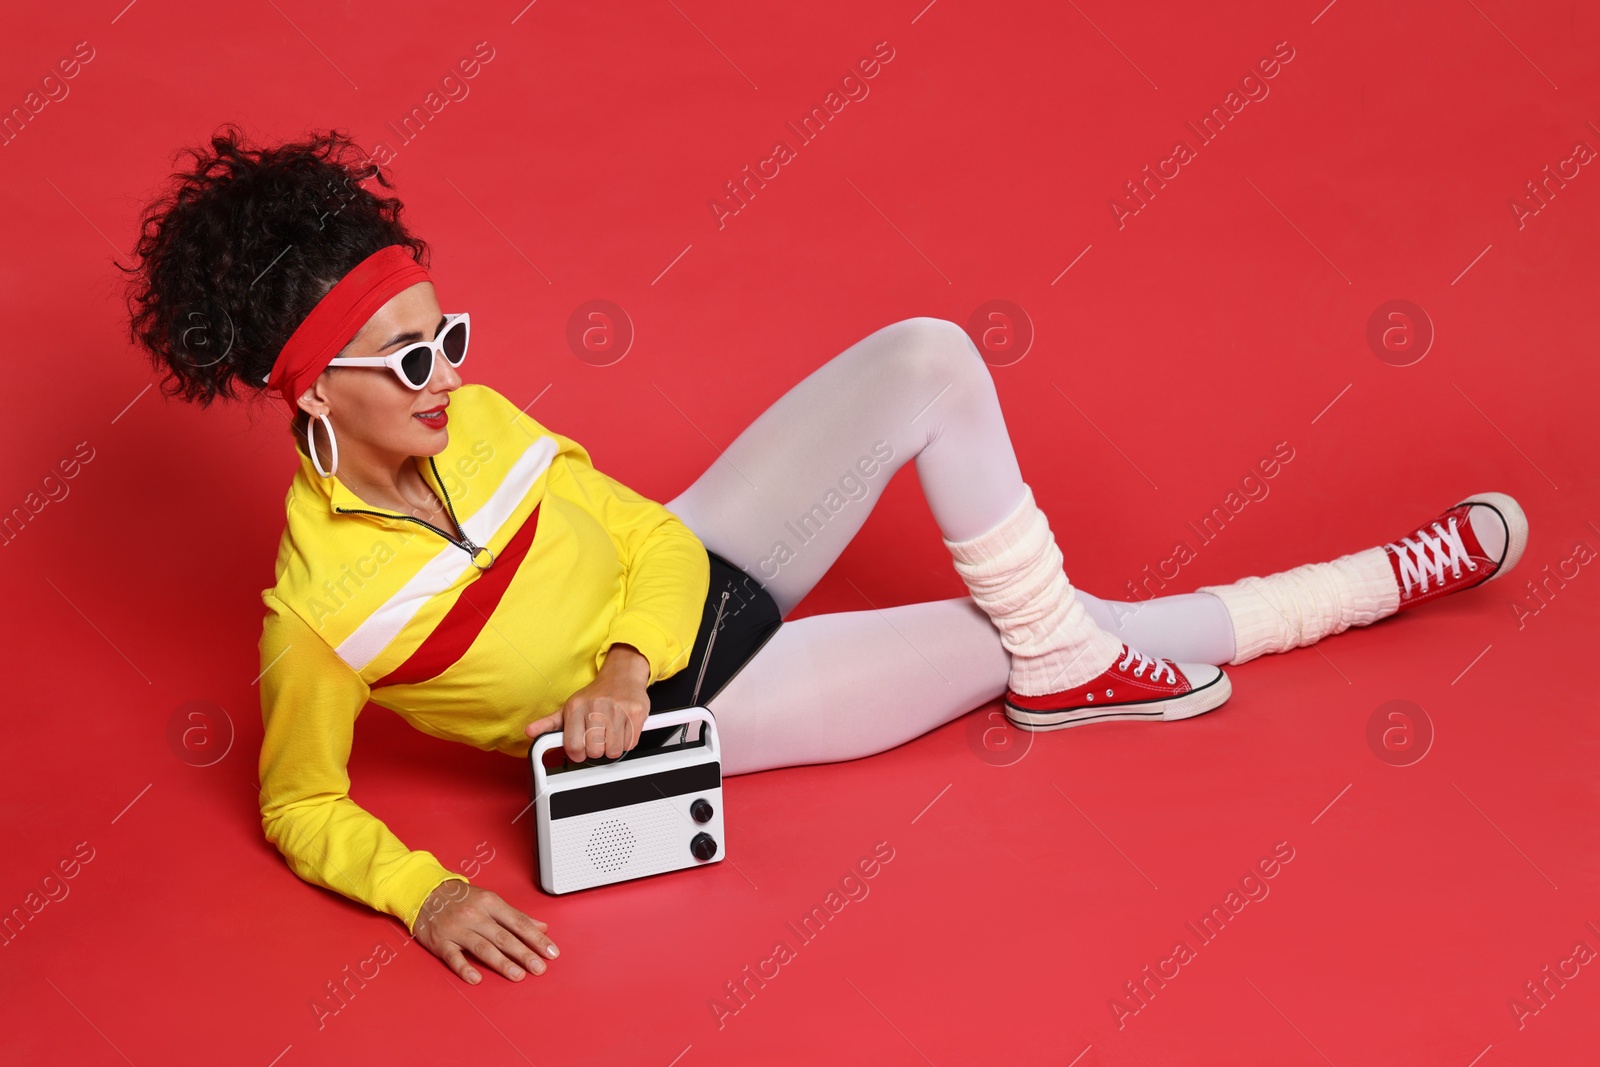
x=1135, y=687
x=1476, y=541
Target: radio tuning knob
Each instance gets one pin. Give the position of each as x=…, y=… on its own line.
x=704, y=846
x=701, y=809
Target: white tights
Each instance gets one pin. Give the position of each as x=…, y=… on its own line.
x=805, y=475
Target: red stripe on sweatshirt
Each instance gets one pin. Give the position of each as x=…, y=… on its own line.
x=465, y=620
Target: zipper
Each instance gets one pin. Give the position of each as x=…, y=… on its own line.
x=705, y=657
x=465, y=543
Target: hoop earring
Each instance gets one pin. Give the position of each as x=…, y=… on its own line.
x=333, y=446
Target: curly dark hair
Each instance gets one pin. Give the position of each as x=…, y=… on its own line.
x=235, y=254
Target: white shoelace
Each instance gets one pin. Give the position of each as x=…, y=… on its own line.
x=1155, y=663
x=1428, y=557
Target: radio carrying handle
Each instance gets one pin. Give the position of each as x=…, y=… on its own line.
x=667, y=719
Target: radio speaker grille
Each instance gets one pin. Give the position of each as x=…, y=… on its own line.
x=610, y=845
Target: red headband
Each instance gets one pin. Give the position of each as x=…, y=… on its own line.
x=339, y=316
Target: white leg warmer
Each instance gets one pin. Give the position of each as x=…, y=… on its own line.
x=1015, y=574
x=1303, y=605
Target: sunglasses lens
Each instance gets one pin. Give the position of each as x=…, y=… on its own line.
x=455, y=343
x=416, y=364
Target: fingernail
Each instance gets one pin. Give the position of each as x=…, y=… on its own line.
x=554, y=952
x=516, y=972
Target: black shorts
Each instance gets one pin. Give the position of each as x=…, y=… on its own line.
x=749, y=619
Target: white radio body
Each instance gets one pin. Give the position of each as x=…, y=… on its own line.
x=648, y=812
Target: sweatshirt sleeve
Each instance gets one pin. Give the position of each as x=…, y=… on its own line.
x=310, y=699
x=667, y=573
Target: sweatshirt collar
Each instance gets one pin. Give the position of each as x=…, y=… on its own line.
x=334, y=494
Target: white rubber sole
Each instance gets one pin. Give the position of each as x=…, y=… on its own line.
x=1516, y=527
x=1203, y=698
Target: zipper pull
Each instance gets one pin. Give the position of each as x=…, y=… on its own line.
x=475, y=551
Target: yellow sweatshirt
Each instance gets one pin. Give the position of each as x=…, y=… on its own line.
x=390, y=609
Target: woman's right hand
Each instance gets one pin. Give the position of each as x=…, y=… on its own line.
x=459, y=917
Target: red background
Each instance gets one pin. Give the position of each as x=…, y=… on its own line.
x=1223, y=318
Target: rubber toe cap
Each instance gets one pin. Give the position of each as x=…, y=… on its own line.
x=1200, y=675
x=1516, y=523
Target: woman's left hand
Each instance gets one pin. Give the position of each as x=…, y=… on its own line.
x=605, y=717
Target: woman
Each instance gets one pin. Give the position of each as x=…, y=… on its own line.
x=449, y=557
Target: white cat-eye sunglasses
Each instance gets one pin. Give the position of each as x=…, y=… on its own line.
x=414, y=363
